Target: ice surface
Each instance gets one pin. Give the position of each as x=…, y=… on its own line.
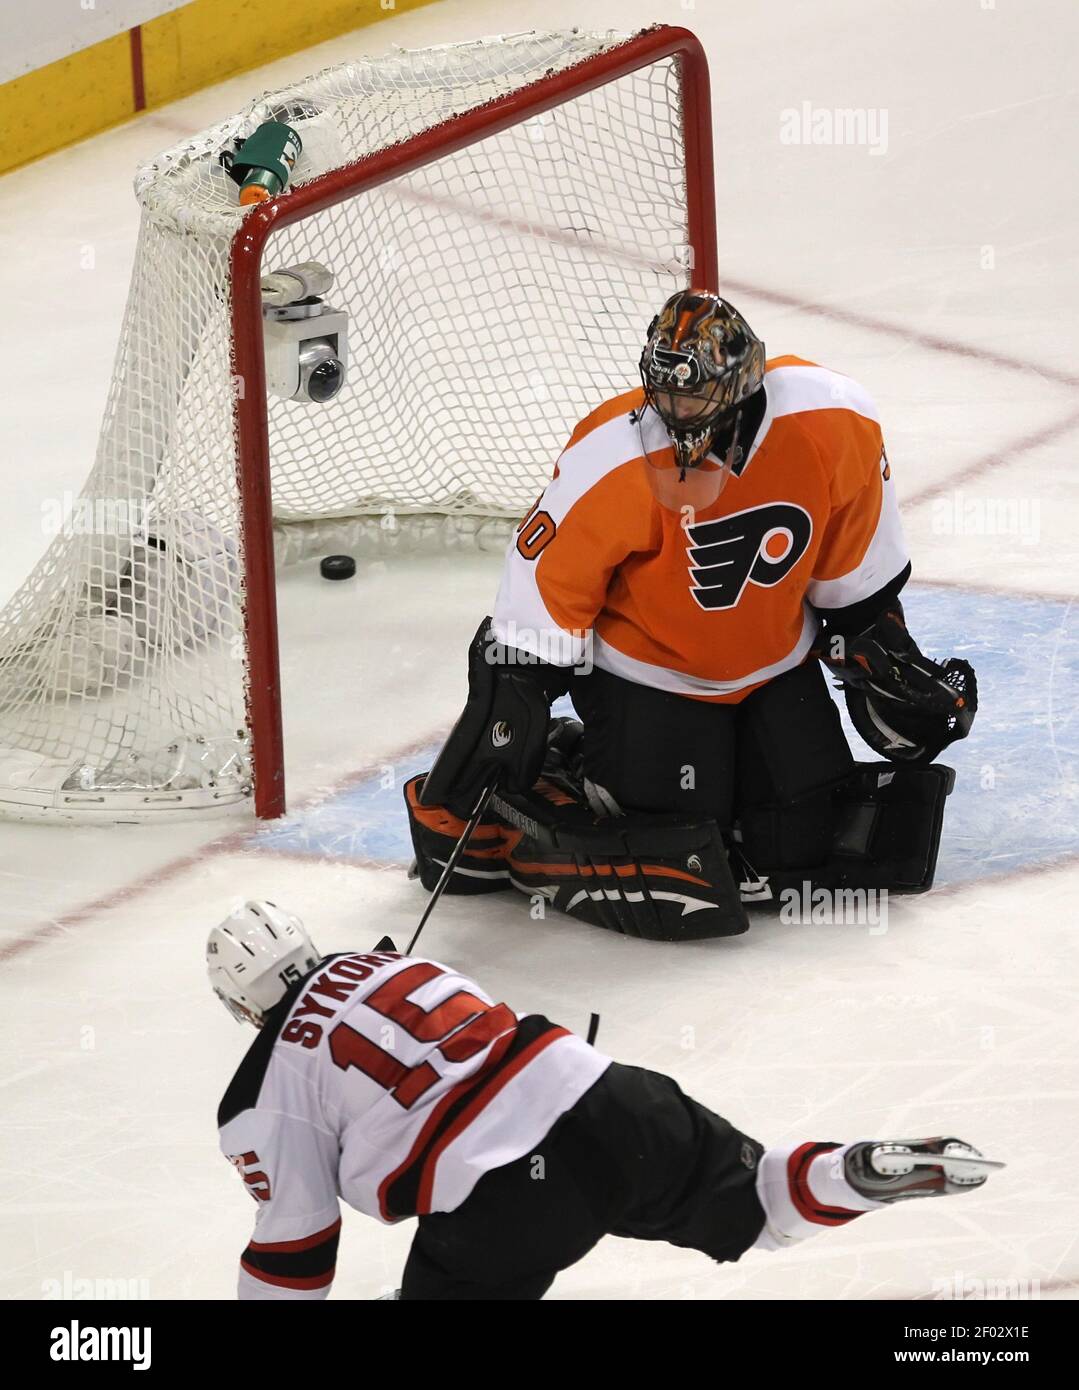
x=941, y=273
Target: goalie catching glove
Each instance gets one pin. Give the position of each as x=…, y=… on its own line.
x=906, y=706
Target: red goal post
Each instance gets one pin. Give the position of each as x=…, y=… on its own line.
x=248, y=248
x=489, y=225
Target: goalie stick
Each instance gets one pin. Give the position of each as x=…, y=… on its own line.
x=451, y=863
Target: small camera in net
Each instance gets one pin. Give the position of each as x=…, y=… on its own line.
x=305, y=338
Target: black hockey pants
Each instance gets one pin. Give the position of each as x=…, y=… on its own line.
x=769, y=762
x=634, y=1157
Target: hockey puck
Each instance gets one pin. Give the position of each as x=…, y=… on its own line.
x=337, y=567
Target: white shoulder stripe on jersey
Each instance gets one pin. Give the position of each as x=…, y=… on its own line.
x=795, y=389
x=791, y=390
x=601, y=451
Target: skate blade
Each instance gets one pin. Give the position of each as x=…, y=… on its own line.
x=896, y=1165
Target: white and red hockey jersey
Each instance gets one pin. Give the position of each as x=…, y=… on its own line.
x=394, y=1084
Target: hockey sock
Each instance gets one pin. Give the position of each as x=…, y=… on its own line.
x=803, y=1189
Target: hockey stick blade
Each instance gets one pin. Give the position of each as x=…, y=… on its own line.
x=451, y=862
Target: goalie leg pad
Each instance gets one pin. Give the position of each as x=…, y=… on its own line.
x=659, y=878
x=792, y=754
x=435, y=832
x=888, y=819
x=797, y=835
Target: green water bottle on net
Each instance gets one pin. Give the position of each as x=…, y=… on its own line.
x=263, y=164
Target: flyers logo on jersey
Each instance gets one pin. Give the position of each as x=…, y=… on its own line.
x=758, y=546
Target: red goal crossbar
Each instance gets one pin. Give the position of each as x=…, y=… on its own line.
x=252, y=440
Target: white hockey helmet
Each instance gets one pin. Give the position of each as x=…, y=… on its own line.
x=255, y=954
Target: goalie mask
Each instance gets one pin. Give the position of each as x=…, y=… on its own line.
x=252, y=958
x=701, y=361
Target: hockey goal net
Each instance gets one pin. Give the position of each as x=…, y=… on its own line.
x=501, y=219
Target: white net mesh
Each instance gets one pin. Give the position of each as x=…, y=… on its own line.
x=494, y=297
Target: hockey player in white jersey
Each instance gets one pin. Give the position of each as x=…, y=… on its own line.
x=397, y=1085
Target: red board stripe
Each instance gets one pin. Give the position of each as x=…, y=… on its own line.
x=138, y=84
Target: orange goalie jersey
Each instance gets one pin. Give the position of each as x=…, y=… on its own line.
x=692, y=585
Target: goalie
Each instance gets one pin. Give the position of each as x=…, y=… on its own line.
x=707, y=541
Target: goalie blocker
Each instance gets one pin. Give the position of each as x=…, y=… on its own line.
x=663, y=877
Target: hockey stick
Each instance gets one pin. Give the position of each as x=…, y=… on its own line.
x=451, y=862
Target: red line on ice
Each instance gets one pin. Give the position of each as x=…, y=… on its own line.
x=240, y=838
x=935, y=342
